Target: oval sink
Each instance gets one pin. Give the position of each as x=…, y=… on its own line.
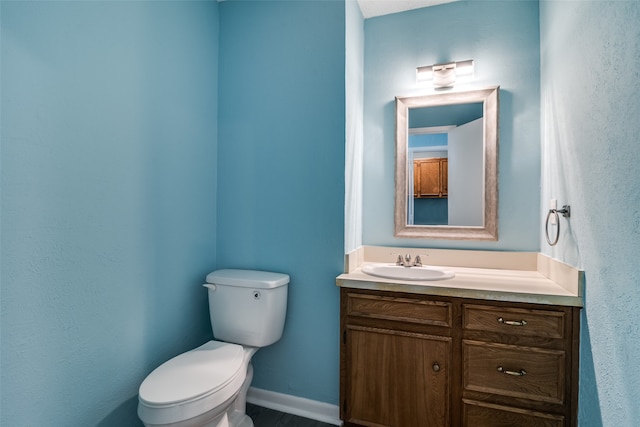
x=392, y=271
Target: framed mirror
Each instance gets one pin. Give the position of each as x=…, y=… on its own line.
x=447, y=165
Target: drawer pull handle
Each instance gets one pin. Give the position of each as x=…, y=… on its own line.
x=520, y=373
x=436, y=367
x=512, y=322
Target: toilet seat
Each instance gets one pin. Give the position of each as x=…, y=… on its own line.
x=192, y=383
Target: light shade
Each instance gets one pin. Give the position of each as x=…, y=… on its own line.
x=445, y=75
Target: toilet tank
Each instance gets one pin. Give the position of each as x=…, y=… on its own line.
x=247, y=307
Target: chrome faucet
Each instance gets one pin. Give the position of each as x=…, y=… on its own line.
x=417, y=262
x=406, y=261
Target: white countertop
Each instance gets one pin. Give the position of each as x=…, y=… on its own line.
x=529, y=286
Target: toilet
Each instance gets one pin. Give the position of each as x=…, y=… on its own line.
x=207, y=386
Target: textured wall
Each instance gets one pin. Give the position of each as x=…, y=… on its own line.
x=108, y=201
x=503, y=39
x=281, y=165
x=590, y=54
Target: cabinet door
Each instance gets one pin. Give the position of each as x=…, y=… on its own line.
x=416, y=179
x=444, y=177
x=397, y=379
x=429, y=178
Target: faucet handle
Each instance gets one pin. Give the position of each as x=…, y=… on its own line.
x=417, y=262
x=399, y=260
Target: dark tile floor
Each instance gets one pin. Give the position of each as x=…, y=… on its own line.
x=264, y=417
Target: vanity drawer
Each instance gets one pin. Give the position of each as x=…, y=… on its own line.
x=521, y=372
x=402, y=309
x=514, y=321
x=481, y=414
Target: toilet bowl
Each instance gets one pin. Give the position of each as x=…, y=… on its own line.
x=196, y=388
x=207, y=386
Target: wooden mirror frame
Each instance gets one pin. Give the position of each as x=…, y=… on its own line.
x=489, y=230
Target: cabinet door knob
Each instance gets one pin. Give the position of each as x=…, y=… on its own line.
x=520, y=373
x=436, y=367
x=512, y=322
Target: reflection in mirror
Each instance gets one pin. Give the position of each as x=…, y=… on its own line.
x=446, y=165
x=445, y=159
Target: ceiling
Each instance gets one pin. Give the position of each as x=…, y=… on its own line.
x=371, y=8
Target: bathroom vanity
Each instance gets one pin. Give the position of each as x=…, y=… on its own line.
x=497, y=345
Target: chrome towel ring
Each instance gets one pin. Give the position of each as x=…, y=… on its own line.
x=566, y=212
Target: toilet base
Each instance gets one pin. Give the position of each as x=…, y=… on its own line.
x=236, y=415
x=240, y=420
x=232, y=417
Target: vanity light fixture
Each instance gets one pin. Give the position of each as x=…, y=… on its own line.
x=444, y=75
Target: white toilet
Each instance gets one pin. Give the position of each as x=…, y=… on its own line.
x=207, y=386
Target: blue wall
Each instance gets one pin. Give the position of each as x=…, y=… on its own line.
x=281, y=175
x=503, y=39
x=110, y=217
x=590, y=142
x=108, y=201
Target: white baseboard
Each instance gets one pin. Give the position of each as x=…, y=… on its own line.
x=300, y=406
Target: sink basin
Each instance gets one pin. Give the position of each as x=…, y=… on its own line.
x=392, y=271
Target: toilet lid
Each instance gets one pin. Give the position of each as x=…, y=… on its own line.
x=194, y=374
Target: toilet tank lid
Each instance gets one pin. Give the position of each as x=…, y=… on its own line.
x=247, y=278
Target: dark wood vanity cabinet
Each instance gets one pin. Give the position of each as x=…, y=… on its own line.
x=418, y=360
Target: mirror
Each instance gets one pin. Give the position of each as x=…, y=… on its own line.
x=447, y=165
